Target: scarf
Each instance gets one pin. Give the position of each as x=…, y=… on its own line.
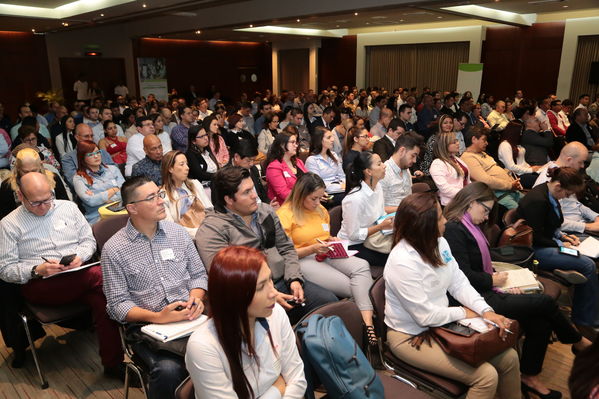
x=481, y=241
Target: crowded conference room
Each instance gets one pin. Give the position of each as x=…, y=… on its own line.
x=383, y=199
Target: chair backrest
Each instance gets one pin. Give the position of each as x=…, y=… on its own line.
x=336, y=216
x=377, y=297
x=185, y=390
x=420, y=187
x=106, y=228
x=510, y=217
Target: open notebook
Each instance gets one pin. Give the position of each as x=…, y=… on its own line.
x=171, y=331
x=589, y=247
x=521, y=278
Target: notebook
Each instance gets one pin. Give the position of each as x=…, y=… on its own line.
x=476, y=323
x=520, y=278
x=589, y=247
x=171, y=331
x=74, y=270
x=381, y=219
x=338, y=249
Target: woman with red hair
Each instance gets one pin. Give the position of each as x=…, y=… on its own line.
x=96, y=184
x=247, y=348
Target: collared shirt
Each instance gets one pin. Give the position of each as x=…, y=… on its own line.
x=397, y=183
x=254, y=224
x=98, y=132
x=361, y=209
x=14, y=131
x=179, y=137
x=330, y=171
x=69, y=164
x=378, y=130
x=25, y=238
x=96, y=194
x=150, y=273
x=149, y=168
x=135, y=152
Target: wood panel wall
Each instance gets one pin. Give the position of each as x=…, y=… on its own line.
x=337, y=62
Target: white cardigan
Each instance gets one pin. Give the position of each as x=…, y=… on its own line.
x=172, y=211
x=209, y=368
x=447, y=179
x=507, y=158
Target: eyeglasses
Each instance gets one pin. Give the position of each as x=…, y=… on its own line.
x=93, y=154
x=487, y=209
x=363, y=136
x=36, y=204
x=201, y=136
x=151, y=197
x=30, y=140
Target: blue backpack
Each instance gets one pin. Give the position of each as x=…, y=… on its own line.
x=333, y=357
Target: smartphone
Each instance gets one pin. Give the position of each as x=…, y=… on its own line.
x=66, y=260
x=568, y=251
x=179, y=308
x=458, y=329
x=116, y=207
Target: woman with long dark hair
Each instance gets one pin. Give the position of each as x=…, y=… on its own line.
x=202, y=162
x=115, y=145
x=327, y=164
x=217, y=142
x=356, y=141
x=282, y=166
x=511, y=153
x=65, y=140
x=247, y=348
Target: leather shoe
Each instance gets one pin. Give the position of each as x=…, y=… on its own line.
x=571, y=276
x=118, y=372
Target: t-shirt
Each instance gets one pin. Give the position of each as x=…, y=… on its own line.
x=315, y=225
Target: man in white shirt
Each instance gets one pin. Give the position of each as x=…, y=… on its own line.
x=135, y=145
x=397, y=183
x=81, y=88
x=497, y=117
x=541, y=113
x=518, y=97
x=105, y=115
x=583, y=102
x=92, y=117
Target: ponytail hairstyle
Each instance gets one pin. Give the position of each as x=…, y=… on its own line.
x=355, y=171
x=350, y=136
x=568, y=178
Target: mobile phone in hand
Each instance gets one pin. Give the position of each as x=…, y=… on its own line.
x=66, y=260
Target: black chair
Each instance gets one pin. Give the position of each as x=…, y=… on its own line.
x=434, y=384
x=395, y=385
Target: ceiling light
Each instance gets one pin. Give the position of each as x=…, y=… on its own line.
x=298, y=20
x=144, y=5
x=198, y=32
x=33, y=30
x=356, y=14
x=565, y=6
x=251, y=26
x=336, y=26
x=401, y=20
x=101, y=15
x=439, y=17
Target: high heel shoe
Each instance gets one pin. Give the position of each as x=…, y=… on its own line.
x=526, y=391
x=372, y=338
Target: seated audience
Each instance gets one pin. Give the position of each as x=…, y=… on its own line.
x=593, y=169
x=135, y=151
x=283, y=167
x=99, y=129
x=186, y=200
x=112, y=143
x=356, y=141
x=238, y=219
x=49, y=228
x=448, y=171
x=326, y=164
x=542, y=212
x=217, y=143
x=536, y=142
x=149, y=166
x=479, y=119
x=397, y=183
x=539, y=316
x=65, y=140
x=446, y=125
x=179, y=133
x=512, y=155
x=325, y=120
x=580, y=130
x=28, y=138
x=483, y=168
x=556, y=118
x=420, y=256
x=584, y=380
x=151, y=252
x=28, y=160
x=202, y=162
x=339, y=133
x=268, y=134
x=307, y=223
x=160, y=130
x=380, y=128
x=244, y=154
x=247, y=348
x=363, y=204
x=236, y=131
x=497, y=119
x=26, y=117
x=386, y=145
x=4, y=149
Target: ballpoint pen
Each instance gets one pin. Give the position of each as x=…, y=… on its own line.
x=496, y=325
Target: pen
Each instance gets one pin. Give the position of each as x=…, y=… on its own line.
x=45, y=260
x=324, y=243
x=496, y=325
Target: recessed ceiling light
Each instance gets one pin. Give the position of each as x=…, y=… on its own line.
x=251, y=26
x=65, y=24
x=356, y=14
x=101, y=15
x=144, y=5
x=336, y=26
x=367, y=23
x=439, y=17
x=565, y=6
x=198, y=32
x=298, y=20
x=33, y=30
x=401, y=20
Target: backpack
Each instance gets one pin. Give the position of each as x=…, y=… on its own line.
x=333, y=357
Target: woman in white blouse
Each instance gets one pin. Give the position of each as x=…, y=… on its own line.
x=511, y=154
x=186, y=200
x=267, y=135
x=418, y=275
x=448, y=171
x=363, y=205
x=247, y=348
x=327, y=164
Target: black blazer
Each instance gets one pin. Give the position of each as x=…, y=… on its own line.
x=232, y=138
x=537, y=145
x=259, y=185
x=198, y=165
x=575, y=133
x=465, y=251
x=384, y=147
x=539, y=214
x=318, y=122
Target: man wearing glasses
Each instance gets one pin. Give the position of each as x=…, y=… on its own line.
x=34, y=238
x=135, y=145
x=153, y=274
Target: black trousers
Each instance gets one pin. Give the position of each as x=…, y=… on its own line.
x=538, y=315
x=372, y=257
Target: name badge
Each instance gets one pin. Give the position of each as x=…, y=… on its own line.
x=286, y=174
x=325, y=227
x=112, y=145
x=167, y=254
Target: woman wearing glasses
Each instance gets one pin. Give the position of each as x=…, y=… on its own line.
x=538, y=314
x=96, y=184
x=186, y=200
x=283, y=168
x=202, y=162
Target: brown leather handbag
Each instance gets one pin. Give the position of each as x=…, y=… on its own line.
x=516, y=234
x=477, y=348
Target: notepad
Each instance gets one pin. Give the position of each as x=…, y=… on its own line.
x=74, y=270
x=520, y=278
x=381, y=219
x=589, y=247
x=476, y=323
x=171, y=331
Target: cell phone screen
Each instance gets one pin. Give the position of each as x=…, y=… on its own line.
x=568, y=251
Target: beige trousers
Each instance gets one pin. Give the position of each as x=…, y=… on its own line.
x=500, y=374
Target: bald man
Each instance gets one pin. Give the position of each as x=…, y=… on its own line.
x=150, y=165
x=34, y=238
x=69, y=160
x=577, y=217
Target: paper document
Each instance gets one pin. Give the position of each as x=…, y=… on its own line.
x=339, y=249
x=589, y=247
x=520, y=278
x=75, y=269
x=476, y=323
x=381, y=219
x=171, y=331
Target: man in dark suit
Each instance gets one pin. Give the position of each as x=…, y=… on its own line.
x=328, y=114
x=386, y=145
x=579, y=130
x=447, y=108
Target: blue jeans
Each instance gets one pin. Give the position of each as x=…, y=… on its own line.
x=315, y=296
x=165, y=371
x=586, y=296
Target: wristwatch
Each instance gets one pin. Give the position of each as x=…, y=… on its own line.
x=34, y=273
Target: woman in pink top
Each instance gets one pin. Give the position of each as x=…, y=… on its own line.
x=217, y=143
x=283, y=167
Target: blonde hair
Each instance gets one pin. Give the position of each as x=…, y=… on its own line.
x=27, y=156
x=305, y=185
x=440, y=150
x=168, y=184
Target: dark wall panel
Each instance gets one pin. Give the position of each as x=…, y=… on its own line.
x=212, y=64
x=24, y=70
x=524, y=58
x=337, y=62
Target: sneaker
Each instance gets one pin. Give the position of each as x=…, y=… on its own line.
x=570, y=276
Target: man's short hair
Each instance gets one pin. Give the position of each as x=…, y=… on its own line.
x=583, y=96
x=567, y=102
x=554, y=103
x=29, y=121
x=408, y=141
x=139, y=121
x=328, y=110
x=475, y=131
x=448, y=97
x=403, y=107
x=379, y=99
x=579, y=111
x=245, y=148
x=395, y=123
x=226, y=182
x=130, y=185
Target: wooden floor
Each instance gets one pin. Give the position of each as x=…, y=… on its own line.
x=73, y=370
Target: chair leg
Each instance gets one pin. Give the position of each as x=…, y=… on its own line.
x=137, y=371
x=126, y=387
x=44, y=383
